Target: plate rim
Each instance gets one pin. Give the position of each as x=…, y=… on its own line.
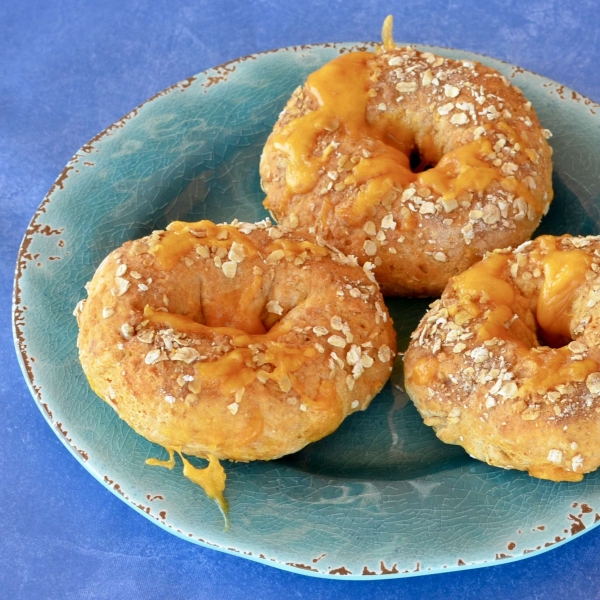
x=221, y=73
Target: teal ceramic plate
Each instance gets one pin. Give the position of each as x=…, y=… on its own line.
x=382, y=497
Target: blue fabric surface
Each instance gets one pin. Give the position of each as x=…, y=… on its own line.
x=67, y=71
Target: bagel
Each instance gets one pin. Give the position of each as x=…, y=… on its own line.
x=238, y=341
x=413, y=162
x=507, y=362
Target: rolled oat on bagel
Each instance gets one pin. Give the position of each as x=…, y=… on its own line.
x=238, y=341
x=507, y=362
x=416, y=163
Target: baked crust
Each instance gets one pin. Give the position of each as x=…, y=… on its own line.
x=237, y=341
x=465, y=118
x=480, y=374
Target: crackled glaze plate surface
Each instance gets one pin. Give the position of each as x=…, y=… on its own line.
x=382, y=497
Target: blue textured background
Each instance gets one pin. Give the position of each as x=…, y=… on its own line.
x=67, y=71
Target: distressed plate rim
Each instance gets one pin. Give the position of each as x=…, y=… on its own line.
x=214, y=76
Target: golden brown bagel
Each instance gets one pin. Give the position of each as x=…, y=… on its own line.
x=234, y=341
x=337, y=164
x=480, y=372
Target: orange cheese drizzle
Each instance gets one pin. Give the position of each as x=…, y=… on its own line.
x=293, y=249
x=425, y=370
x=241, y=323
x=237, y=309
x=564, y=272
x=341, y=89
x=231, y=371
x=387, y=33
x=211, y=479
x=461, y=170
x=178, y=241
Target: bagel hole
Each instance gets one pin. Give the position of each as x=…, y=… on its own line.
x=418, y=164
x=551, y=340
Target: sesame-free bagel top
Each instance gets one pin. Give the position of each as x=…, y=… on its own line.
x=480, y=372
x=413, y=162
x=234, y=341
